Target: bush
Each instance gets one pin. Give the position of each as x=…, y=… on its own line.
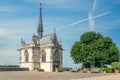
x=9, y=66
x=74, y=70
x=115, y=65
x=59, y=69
x=14, y=69
x=95, y=70
x=66, y=69
x=108, y=70
x=80, y=69
x=41, y=70
x=85, y=70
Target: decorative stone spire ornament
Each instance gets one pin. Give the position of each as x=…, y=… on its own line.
x=22, y=42
x=54, y=30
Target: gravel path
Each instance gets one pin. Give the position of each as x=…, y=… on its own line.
x=108, y=77
x=26, y=75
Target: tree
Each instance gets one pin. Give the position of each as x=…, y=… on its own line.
x=94, y=50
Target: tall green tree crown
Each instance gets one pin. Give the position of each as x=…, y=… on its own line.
x=94, y=50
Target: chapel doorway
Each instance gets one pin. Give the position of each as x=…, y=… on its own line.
x=55, y=67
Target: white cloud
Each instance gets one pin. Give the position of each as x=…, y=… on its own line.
x=9, y=55
x=2, y=32
x=10, y=36
x=24, y=25
x=2, y=62
x=9, y=8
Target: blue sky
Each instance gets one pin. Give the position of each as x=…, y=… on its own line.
x=19, y=19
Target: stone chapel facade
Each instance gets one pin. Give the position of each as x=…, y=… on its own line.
x=43, y=52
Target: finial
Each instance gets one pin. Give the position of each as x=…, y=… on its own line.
x=60, y=41
x=33, y=34
x=22, y=41
x=40, y=5
x=54, y=30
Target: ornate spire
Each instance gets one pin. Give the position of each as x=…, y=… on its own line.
x=40, y=25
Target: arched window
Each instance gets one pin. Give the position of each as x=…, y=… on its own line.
x=56, y=55
x=43, y=56
x=26, y=56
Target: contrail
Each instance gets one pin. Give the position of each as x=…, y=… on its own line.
x=83, y=20
x=91, y=21
x=91, y=18
x=106, y=13
x=94, y=5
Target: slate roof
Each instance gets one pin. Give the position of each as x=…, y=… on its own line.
x=52, y=38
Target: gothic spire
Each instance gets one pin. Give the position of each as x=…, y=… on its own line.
x=40, y=25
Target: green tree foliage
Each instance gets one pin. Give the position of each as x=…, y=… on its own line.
x=94, y=50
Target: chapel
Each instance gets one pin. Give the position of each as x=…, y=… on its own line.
x=43, y=51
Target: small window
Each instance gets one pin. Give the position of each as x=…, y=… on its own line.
x=26, y=56
x=43, y=57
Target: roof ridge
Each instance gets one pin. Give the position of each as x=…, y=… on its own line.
x=48, y=34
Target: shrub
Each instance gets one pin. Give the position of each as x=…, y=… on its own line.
x=108, y=70
x=85, y=70
x=115, y=65
x=14, y=69
x=80, y=69
x=66, y=69
x=41, y=70
x=59, y=69
x=95, y=70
